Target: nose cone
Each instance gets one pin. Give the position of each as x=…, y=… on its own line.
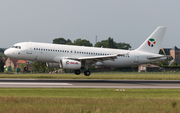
x=7, y=52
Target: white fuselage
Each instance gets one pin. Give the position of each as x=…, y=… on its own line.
x=44, y=52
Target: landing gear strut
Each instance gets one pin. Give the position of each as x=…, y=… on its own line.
x=77, y=72
x=87, y=72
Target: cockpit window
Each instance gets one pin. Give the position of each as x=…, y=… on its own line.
x=17, y=47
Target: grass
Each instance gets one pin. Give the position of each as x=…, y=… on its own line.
x=63, y=100
x=127, y=76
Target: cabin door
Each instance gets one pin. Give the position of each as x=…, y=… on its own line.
x=29, y=48
x=136, y=57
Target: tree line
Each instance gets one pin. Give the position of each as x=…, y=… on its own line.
x=109, y=43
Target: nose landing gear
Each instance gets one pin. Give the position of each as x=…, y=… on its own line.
x=25, y=68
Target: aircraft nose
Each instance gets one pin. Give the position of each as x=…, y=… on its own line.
x=7, y=52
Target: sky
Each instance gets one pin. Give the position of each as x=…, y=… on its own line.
x=129, y=21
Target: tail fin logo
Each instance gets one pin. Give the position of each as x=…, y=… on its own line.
x=151, y=42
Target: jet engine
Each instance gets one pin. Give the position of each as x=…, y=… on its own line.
x=54, y=65
x=70, y=64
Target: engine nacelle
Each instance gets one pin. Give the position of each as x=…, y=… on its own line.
x=54, y=65
x=70, y=64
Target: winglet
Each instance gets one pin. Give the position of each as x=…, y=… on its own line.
x=153, y=43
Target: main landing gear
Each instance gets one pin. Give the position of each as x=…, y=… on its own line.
x=77, y=72
x=86, y=73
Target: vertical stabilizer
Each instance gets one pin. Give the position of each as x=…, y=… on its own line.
x=153, y=43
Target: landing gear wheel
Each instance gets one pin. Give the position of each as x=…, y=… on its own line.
x=77, y=72
x=25, y=68
x=87, y=73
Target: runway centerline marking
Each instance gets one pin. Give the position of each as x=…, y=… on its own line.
x=17, y=83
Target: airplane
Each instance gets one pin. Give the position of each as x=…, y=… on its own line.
x=76, y=57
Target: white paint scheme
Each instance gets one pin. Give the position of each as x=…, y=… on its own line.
x=106, y=57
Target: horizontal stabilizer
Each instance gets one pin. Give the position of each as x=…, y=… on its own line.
x=150, y=57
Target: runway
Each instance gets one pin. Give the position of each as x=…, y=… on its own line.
x=79, y=83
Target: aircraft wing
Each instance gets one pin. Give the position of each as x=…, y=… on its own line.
x=94, y=59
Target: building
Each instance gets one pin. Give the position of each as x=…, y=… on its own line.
x=173, y=52
x=148, y=68
x=11, y=62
